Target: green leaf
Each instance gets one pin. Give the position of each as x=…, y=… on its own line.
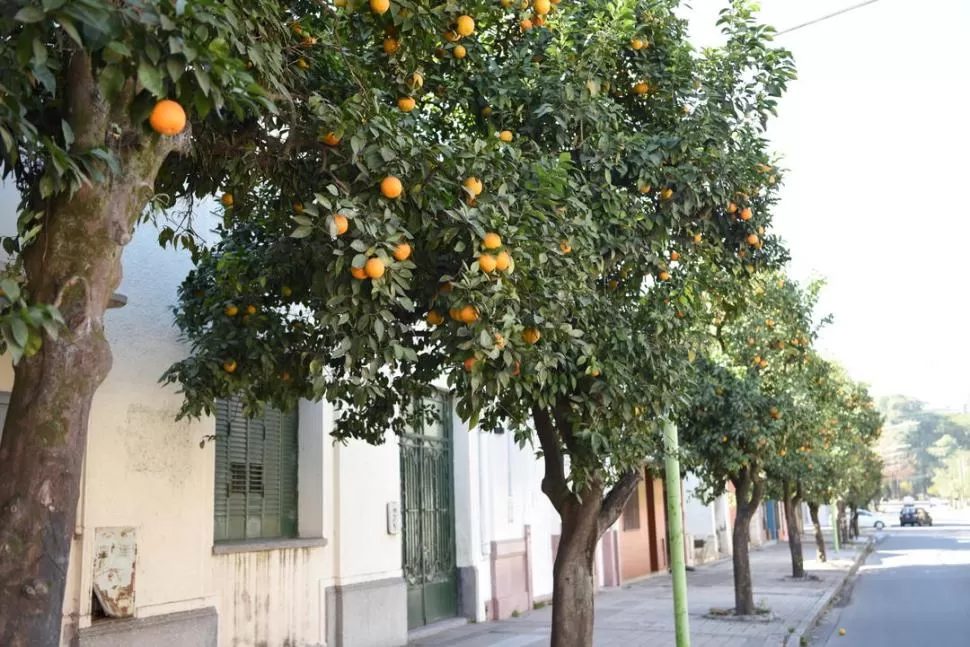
x=111, y=81
x=301, y=232
x=29, y=15
x=151, y=79
x=10, y=289
x=20, y=331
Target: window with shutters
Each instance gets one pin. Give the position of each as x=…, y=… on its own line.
x=256, y=474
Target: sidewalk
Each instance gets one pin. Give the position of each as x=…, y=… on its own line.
x=641, y=614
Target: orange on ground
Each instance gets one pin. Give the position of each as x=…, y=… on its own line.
x=460, y=51
x=503, y=261
x=227, y=199
x=531, y=335
x=380, y=6
x=330, y=139
x=341, y=223
x=167, y=118
x=402, y=252
x=487, y=263
x=358, y=273
x=434, y=318
x=374, y=268
x=406, y=104
x=473, y=185
x=230, y=366
x=469, y=314
x=505, y=136
x=491, y=241
x=231, y=311
x=470, y=364
x=746, y=213
x=465, y=25
x=391, y=187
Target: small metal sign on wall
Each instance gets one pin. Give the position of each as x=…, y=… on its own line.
x=115, y=551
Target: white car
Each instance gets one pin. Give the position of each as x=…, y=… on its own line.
x=875, y=520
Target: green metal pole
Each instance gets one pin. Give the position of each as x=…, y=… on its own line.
x=675, y=523
x=835, y=526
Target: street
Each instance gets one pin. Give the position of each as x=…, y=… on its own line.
x=912, y=590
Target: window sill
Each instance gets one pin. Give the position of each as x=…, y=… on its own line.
x=259, y=545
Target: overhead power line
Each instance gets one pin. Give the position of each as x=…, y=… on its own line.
x=827, y=17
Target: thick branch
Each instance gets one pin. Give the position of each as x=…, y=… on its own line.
x=554, y=481
x=617, y=497
x=565, y=426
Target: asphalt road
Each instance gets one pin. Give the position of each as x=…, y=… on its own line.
x=914, y=589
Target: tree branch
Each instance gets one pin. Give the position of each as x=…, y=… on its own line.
x=554, y=484
x=617, y=497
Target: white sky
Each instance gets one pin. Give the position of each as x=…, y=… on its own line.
x=875, y=137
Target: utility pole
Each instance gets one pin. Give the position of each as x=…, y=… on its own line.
x=675, y=523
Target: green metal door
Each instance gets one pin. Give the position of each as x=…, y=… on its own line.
x=429, y=519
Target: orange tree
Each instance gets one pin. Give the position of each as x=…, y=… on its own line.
x=735, y=420
x=407, y=190
x=558, y=198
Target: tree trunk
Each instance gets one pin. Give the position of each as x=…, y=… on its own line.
x=749, y=498
x=840, y=523
x=855, y=522
x=74, y=264
x=790, y=503
x=819, y=537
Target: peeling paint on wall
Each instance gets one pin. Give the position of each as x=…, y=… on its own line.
x=114, y=570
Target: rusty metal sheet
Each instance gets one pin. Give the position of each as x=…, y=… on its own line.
x=114, y=570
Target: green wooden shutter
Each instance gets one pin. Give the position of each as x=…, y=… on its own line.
x=256, y=466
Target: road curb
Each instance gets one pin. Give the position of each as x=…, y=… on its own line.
x=808, y=624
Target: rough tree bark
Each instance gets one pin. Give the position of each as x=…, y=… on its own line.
x=585, y=515
x=819, y=537
x=748, y=491
x=840, y=523
x=855, y=522
x=76, y=264
x=791, y=502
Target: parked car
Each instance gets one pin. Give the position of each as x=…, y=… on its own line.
x=910, y=515
x=875, y=520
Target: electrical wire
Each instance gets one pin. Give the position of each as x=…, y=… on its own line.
x=826, y=17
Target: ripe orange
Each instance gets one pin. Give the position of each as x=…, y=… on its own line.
x=391, y=45
x=358, y=273
x=538, y=21
x=469, y=314
x=757, y=359
x=406, y=104
x=505, y=136
x=231, y=311
x=505, y=3
x=460, y=51
x=452, y=36
x=565, y=247
x=465, y=26
x=667, y=194
x=531, y=335
x=286, y=291
x=541, y=7
x=491, y=241
x=499, y=341
x=298, y=207
x=402, y=252
x=698, y=238
x=525, y=24
x=637, y=44
x=341, y=223
x=167, y=118
x=380, y=6
x=641, y=87
x=645, y=188
x=746, y=213
x=675, y=255
x=230, y=366
x=330, y=139
x=732, y=208
x=503, y=261
x=434, y=318
x=455, y=313
x=664, y=276
x=473, y=185
x=302, y=64
x=487, y=263
x=516, y=368
x=374, y=268
x=391, y=187
x=227, y=199
x=250, y=309
x=752, y=239
x=470, y=364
